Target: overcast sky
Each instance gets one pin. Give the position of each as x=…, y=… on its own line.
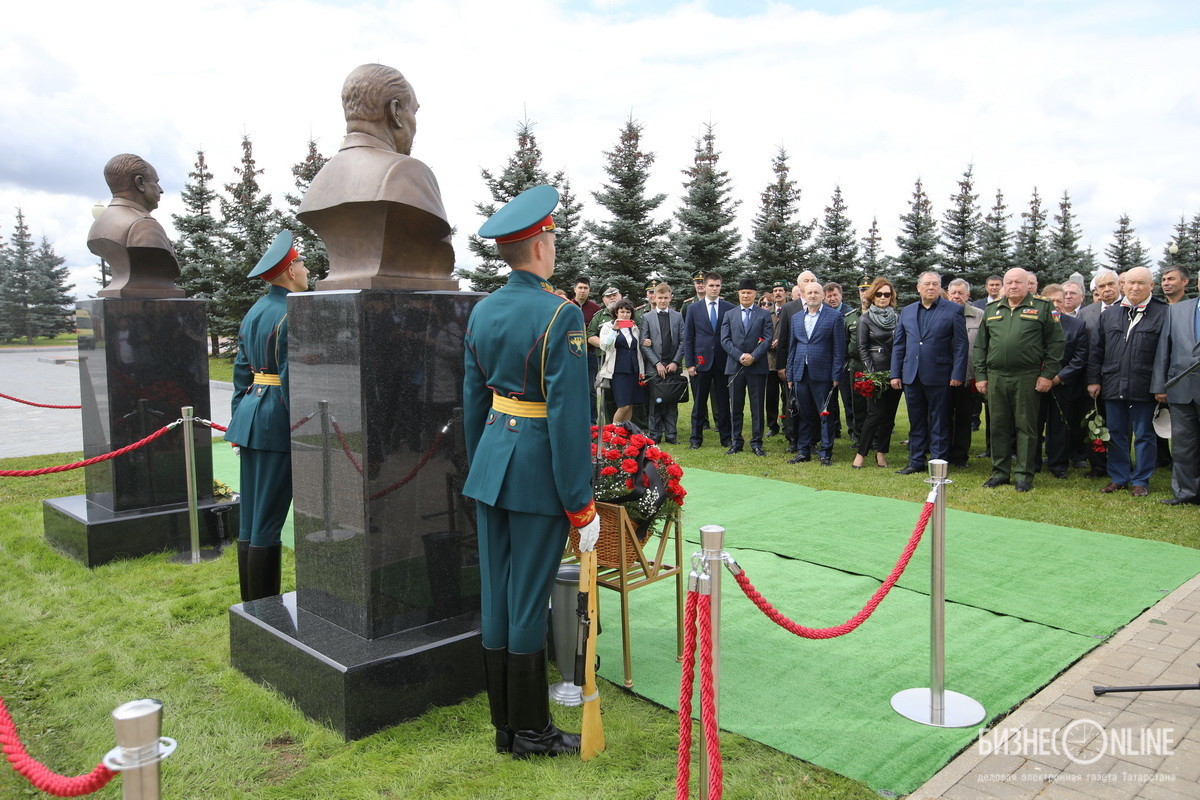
x=1098, y=98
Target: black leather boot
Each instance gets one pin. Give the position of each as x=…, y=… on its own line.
x=495, y=673
x=243, y=557
x=534, y=733
x=263, y=571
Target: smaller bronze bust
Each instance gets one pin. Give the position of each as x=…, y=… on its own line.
x=135, y=246
x=378, y=210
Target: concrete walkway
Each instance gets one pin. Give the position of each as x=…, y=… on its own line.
x=36, y=374
x=1066, y=743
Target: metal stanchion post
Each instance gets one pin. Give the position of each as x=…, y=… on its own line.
x=936, y=705
x=712, y=545
x=194, y=556
x=140, y=748
x=327, y=533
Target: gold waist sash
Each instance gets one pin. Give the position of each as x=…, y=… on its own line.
x=265, y=379
x=519, y=408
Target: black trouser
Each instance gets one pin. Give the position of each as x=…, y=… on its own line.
x=1054, y=428
x=711, y=383
x=740, y=385
x=881, y=419
x=776, y=395
x=962, y=405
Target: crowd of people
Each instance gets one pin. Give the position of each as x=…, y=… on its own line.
x=1054, y=383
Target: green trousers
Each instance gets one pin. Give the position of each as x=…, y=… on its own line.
x=1013, y=401
x=266, y=490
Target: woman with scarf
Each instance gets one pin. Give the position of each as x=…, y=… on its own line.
x=620, y=347
x=876, y=332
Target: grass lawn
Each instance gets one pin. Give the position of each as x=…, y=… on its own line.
x=220, y=369
x=75, y=643
x=62, y=339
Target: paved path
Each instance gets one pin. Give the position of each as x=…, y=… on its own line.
x=29, y=431
x=1140, y=745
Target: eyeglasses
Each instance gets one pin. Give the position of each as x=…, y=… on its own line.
x=883, y=294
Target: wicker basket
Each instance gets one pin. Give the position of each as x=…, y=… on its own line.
x=613, y=518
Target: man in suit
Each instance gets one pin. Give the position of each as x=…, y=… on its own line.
x=530, y=472
x=1178, y=349
x=1104, y=287
x=929, y=356
x=260, y=426
x=993, y=284
x=776, y=388
x=962, y=398
x=1059, y=419
x=706, y=360
x=1123, y=348
x=812, y=348
x=746, y=334
x=662, y=352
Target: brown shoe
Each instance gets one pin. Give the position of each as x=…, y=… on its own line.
x=1113, y=487
x=1140, y=491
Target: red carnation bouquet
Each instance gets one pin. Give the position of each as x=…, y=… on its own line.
x=623, y=456
x=871, y=384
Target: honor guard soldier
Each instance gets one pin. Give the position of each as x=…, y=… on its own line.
x=525, y=416
x=260, y=426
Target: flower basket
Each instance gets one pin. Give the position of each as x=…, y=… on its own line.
x=614, y=522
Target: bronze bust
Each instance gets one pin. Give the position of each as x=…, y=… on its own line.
x=132, y=242
x=378, y=210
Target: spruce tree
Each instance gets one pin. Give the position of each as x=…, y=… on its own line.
x=1065, y=236
x=961, y=227
x=1186, y=249
x=249, y=225
x=837, y=245
x=706, y=239
x=630, y=245
x=19, y=284
x=995, y=241
x=917, y=242
x=874, y=262
x=523, y=171
x=200, y=247
x=779, y=242
x=53, y=308
x=308, y=244
x=7, y=333
x=1032, y=253
x=1126, y=250
x=572, y=258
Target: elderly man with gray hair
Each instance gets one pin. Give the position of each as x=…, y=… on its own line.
x=962, y=398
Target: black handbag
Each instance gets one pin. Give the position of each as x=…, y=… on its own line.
x=671, y=389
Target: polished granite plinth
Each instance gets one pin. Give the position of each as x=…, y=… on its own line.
x=355, y=686
x=95, y=535
x=386, y=550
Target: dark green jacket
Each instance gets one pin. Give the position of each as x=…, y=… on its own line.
x=1019, y=340
x=261, y=413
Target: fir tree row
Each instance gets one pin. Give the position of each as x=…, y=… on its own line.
x=35, y=298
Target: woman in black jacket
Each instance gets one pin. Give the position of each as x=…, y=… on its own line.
x=876, y=332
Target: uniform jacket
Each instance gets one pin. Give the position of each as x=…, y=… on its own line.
x=973, y=317
x=773, y=353
x=701, y=342
x=1075, y=351
x=652, y=330
x=537, y=466
x=1120, y=364
x=825, y=351
x=851, y=320
x=1017, y=340
x=1177, y=350
x=261, y=415
x=936, y=356
x=755, y=340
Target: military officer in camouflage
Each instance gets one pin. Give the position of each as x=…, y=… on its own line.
x=260, y=427
x=1018, y=352
x=525, y=416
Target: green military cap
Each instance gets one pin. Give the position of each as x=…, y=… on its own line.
x=781, y=285
x=279, y=256
x=651, y=284
x=523, y=217
x=699, y=276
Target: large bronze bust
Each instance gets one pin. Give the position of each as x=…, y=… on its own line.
x=378, y=210
x=135, y=246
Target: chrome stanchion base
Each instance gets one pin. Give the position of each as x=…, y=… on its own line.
x=566, y=693
x=959, y=711
x=186, y=556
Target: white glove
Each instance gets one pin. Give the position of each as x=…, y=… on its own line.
x=589, y=534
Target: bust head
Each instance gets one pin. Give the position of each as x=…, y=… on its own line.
x=379, y=101
x=131, y=178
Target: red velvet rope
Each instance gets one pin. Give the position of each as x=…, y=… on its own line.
x=859, y=618
x=701, y=606
x=41, y=777
x=29, y=473
x=437, y=440
x=346, y=446
x=31, y=403
x=683, y=773
x=708, y=701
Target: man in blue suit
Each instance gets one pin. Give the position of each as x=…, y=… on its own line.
x=746, y=333
x=706, y=360
x=928, y=357
x=812, y=346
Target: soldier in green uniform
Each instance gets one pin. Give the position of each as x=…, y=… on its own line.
x=525, y=417
x=260, y=427
x=855, y=402
x=1018, y=352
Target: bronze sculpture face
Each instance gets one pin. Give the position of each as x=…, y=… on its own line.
x=378, y=210
x=126, y=236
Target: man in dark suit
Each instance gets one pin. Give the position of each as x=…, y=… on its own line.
x=776, y=388
x=928, y=357
x=812, y=350
x=1059, y=418
x=993, y=284
x=706, y=360
x=1104, y=286
x=1123, y=347
x=1178, y=349
x=746, y=334
x=662, y=353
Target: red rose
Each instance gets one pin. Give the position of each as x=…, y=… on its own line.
x=593, y=449
x=619, y=441
x=629, y=483
x=609, y=470
x=612, y=455
x=640, y=440
x=675, y=471
x=824, y=413
x=607, y=436
x=631, y=451
x=654, y=454
x=595, y=430
x=858, y=374
x=629, y=465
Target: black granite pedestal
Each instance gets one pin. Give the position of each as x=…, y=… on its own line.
x=148, y=359
x=384, y=622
